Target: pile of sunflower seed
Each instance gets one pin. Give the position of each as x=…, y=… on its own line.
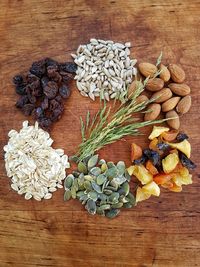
x=104, y=69
x=103, y=188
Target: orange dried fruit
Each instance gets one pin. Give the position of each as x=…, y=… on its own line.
x=153, y=144
x=176, y=188
x=136, y=152
x=162, y=178
x=170, y=136
x=151, y=168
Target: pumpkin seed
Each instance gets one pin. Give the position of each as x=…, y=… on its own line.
x=91, y=206
x=121, y=167
x=121, y=191
x=127, y=176
x=102, y=197
x=88, y=178
x=75, y=184
x=92, y=161
x=110, y=164
x=131, y=198
x=106, y=183
x=93, y=195
x=76, y=174
x=105, y=207
x=112, y=172
x=100, y=212
x=104, y=167
x=127, y=205
x=114, y=197
x=96, y=187
x=111, y=188
x=126, y=188
x=68, y=181
x=87, y=185
x=82, y=167
x=102, y=161
x=79, y=194
x=83, y=199
x=112, y=213
x=67, y=194
x=73, y=192
x=107, y=192
x=81, y=180
x=119, y=180
x=117, y=205
x=95, y=171
x=101, y=179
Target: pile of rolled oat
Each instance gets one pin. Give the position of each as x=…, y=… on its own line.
x=35, y=168
x=104, y=69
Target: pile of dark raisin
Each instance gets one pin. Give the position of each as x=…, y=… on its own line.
x=43, y=89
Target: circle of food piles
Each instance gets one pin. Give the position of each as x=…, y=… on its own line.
x=104, y=69
x=34, y=167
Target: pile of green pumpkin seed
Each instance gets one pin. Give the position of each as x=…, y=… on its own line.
x=102, y=187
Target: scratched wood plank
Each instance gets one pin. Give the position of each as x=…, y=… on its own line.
x=159, y=232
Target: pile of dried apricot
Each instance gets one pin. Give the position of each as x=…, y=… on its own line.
x=165, y=163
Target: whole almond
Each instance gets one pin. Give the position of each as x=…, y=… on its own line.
x=162, y=95
x=173, y=123
x=170, y=103
x=132, y=88
x=154, y=113
x=177, y=73
x=165, y=74
x=179, y=89
x=141, y=99
x=184, y=105
x=147, y=69
x=155, y=84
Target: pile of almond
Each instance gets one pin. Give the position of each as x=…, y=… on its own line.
x=170, y=92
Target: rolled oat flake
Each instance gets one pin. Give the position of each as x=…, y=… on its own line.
x=34, y=167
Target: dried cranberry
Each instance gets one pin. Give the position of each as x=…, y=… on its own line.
x=45, y=103
x=22, y=101
x=27, y=109
x=18, y=79
x=51, y=89
x=64, y=91
x=187, y=162
x=38, y=68
x=68, y=67
x=181, y=137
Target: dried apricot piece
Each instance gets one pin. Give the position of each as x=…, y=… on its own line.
x=162, y=178
x=153, y=144
x=136, y=152
x=157, y=131
x=170, y=136
x=151, y=168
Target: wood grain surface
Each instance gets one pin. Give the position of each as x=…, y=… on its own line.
x=159, y=232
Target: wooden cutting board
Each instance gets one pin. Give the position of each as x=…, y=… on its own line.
x=162, y=231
